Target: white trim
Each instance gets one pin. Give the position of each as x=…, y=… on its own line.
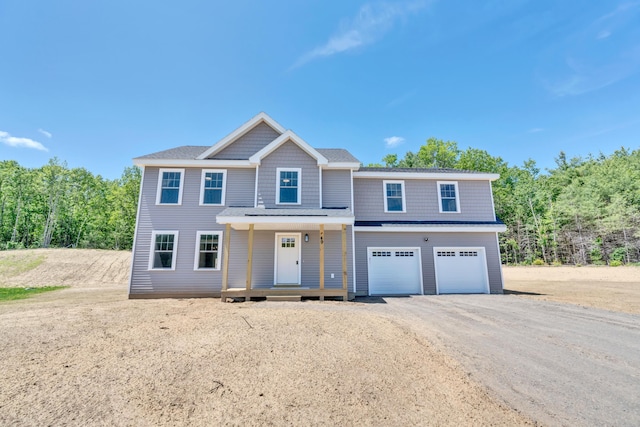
x=135, y=232
x=428, y=175
x=343, y=165
x=174, y=253
x=242, y=130
x=320, y=185
x=396, y=248
x=500, y=263
x=269, y=219
x=255, y=202
x=193, y=163
x=299, y=195
x=438, y=189
x=353, y=257
x=275, y=256
x=288, y=136
x=224, y=186
x=352, y=207
x=384, y=196
x=493, y=207
x=463, y=248
x=498, y=228
x=196, y=261
x=159, y=186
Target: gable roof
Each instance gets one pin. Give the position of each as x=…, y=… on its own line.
x=261, y=117
x=185, y=152
x=285, y=137
x=337, y=155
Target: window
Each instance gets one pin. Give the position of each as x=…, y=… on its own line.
x=208, y=250
x=288, y=186
x=212, y=188
x=394, y=200
x=170, y=182
x=163, y=250
x=448, y=195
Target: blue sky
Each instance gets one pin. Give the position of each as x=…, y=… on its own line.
x=97, y=83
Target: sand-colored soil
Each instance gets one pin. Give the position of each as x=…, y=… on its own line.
x=88, y=356
x=609, y=288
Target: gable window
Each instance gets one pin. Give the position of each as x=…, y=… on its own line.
x=448, y=195
x=288, y=192
x=394, y=199
x=212, y=189
x=208, y=250
x=163, y=250
x=170, y=183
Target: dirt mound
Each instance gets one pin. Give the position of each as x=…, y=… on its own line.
x=77, y=268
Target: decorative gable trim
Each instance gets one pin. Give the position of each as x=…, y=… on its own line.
x=242, y=130
x=288, y=136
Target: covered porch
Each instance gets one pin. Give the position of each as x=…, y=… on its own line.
x=289, y=252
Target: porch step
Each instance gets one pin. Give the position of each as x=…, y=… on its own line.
x=284, y=297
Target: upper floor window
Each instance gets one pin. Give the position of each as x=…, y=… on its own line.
x=448, y=195
x=288, y=191
x=212, y=189
x=163, y=250
x=394, y=199
x=208, y=250
x=170, y=183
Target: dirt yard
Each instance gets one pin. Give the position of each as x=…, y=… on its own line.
x=609, y=288
x=88, y=356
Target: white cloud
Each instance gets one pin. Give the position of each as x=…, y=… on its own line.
x=45, y=133
x=603, y=34
x=13, y=141
x=371, y=23
x=393, y=141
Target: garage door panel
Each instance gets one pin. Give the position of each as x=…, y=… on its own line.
x=394, y=271
x=461, y=270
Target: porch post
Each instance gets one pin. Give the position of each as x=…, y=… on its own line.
x=249, y=261
x=321, y=260
x=225, y=260
x=344, y=262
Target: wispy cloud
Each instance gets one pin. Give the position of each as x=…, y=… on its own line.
x=371, y=23
x=535, y=130
x=603, y=34
x=13, y=141
x=393, y=141
x=45, y=133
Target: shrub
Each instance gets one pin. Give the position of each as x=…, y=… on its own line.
x=538, y=261
x=615, y=263
x=556, y=263
x=618, y=254
x=599, y=262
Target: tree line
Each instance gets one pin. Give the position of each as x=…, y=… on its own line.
x=55, y=206
x=582, y=211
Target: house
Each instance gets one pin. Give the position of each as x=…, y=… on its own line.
x=263, y=213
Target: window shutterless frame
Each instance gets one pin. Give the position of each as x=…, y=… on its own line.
x=164, y=250
x=448, y=197
x=288, y=186
x=394, y=196
x=213, y=186
x=209, y=248
x=170, y=185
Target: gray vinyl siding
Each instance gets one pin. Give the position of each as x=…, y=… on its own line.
x=249, y=144
x=383, y=239
x=289, y=155
x=336, y=188
x=188, y=219
x=422, y=201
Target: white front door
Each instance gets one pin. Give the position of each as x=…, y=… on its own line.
x=287, y=271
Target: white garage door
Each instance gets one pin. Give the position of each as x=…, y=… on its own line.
x=395, y=271
x=461, y=270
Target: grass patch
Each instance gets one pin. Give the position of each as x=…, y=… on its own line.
x=18, y=263
x=11, y=294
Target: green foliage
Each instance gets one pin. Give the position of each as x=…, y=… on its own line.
x=615, y=263
x=538, y=261
x=618, y=254
x=11, y=294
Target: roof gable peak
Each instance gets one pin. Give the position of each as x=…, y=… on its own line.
x=288, y=135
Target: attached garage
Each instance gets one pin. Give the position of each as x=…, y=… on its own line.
x=394, y=271
x=461, y=270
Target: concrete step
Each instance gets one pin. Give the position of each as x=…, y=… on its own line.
x=284, y=297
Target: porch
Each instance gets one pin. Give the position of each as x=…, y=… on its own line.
x=293, y=275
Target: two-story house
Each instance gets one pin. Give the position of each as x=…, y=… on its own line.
x=263, y=213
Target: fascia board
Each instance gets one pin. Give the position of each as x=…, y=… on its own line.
x=193, y=163
x=428, y=175
x=284, y=220
x=427, y=229
x=342, y=165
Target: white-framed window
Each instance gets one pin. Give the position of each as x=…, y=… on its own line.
x=208, y=250
x=448, y=196
x=164, y=245
x=170, y=184
x=288, y=186
x=394, y=198
x=213, y=187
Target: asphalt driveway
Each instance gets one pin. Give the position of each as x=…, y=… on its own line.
x=561, y=364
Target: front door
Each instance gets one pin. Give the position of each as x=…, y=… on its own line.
x=287, y=271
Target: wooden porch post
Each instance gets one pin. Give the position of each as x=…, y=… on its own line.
x=225, y=260
x=322, y=260
x=249, y=261
x=344, y=263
